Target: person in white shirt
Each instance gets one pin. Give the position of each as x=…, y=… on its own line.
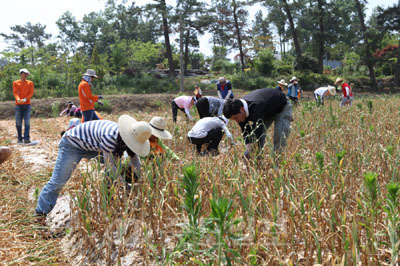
x=209, y=130
x=322, y=92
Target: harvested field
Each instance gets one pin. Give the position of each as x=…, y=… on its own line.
x=324, y=200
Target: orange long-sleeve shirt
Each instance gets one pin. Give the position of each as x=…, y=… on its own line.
x=23, y=90
x=86, y=98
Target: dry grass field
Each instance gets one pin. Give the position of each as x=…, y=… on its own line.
x=330, y=198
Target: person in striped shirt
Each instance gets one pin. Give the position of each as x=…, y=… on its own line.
x=88, y=140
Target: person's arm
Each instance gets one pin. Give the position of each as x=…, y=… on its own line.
x=228, y=95
x=135, y=161
x=168, y=151
x=87, y=92
x=219, y=94
x=111, y=163
x=347, y=91
x=31, y=90
x=64, y=111
x=16, y=91
x=187, y=111
x=228, y=134
x=220, y=108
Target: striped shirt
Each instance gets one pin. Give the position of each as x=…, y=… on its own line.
x=97, y=135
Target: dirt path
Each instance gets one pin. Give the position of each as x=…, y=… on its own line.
x=23, y=241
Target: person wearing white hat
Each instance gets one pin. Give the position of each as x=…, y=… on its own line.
x=281, y=85
x=294, y=90
x=159, y=132
x=224, y=89
x=347, y=97
x=86, y=98
x=209, y=130
x=88, y=140
x=23, y=91
x=323, y=92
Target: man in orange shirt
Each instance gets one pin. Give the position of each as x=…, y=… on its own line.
x=86, y=98
x=23, y=92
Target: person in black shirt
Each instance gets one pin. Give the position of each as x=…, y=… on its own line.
x=256, y=112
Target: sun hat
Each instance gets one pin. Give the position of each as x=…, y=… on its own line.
x=221, y=79
x=91, y=73
x=24, y=70
x=338, y=80
x=158, y=126
x=135, y=134
x=282, y=82
x=293, y=78
x=332, y=90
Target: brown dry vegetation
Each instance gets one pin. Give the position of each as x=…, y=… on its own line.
x=295, y=209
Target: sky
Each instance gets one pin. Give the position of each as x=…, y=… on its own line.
x=47, y=12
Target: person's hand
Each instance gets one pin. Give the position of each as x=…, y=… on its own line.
x=246, y=154
x=348, y=97
x=100, y=103
x=100, y=97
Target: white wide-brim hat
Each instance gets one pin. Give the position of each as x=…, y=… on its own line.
x=282, y=82
x=135, y=134
x=332, y=90
x=293, y=78
x=338, y=80
x=158, y=126
x=91, y=73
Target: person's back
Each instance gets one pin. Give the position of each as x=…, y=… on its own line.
x=264, y=103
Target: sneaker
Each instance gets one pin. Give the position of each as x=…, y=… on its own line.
x=27, y=141
x=20, y=141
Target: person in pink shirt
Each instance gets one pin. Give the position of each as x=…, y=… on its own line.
x=183, y=103
x=347, y=97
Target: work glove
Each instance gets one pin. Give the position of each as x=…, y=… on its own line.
x=348, y=97
x=100, y=97
x=21, y=100
x=100, y=103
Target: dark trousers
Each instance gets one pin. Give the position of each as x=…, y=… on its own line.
x=203, y=107
x=175, y=108
x=23, y=112
x=89, y=115
x=213, y=139
x=294, y=100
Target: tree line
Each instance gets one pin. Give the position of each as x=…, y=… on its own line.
x=124, y=41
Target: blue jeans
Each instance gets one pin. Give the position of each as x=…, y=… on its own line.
x=23, y=112
x=281, y=128
x=68, y=158
x=89, y=115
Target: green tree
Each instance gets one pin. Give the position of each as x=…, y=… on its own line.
x=367, y=56
x=389, y=19
x=27, y=36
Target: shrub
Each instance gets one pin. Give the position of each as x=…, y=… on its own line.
x=265, y=62
x=251, y=81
